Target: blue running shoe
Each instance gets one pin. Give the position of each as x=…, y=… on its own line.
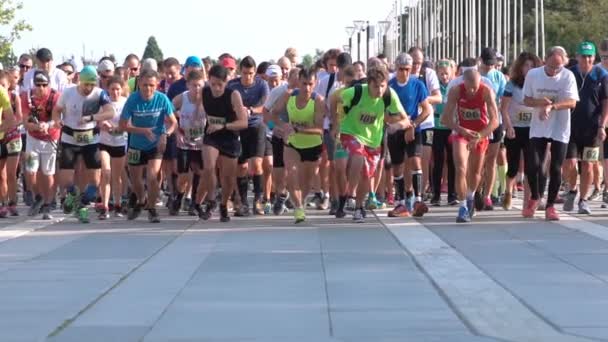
x=463, y=215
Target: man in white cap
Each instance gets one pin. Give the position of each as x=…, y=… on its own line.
x=44, y=61
x=105, y=70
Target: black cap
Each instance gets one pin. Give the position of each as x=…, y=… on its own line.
x=41, y=77
x=44, y=55
x=344, y=59
x=488, y=56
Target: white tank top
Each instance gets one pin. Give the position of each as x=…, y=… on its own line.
x=114, y=139
x=192, y=120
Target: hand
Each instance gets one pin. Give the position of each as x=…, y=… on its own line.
x=277, y=131
x=43, y=127
x=334, y=132
x=162, y=144
x=510, y=132
x=392, y=128
x=214, y=128
x=288, y=131
x=601, y=134
x=149, y=133
x=86, y=119
x=180, y=138
x=410, y=135
x=545, y=102
x=106, y=126
x=467, y=133
x=543, y=112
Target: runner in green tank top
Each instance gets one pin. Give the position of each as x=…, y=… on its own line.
x=304, y=143
x=367, y=109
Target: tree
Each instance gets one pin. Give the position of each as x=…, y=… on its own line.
x=308, y=60
x=13, y=29
x=152, y=50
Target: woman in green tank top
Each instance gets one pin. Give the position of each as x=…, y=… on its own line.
x=303, y=135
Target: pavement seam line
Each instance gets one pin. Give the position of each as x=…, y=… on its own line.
x=164, y=311
x=322, y=255
x=71, y=320
x=521, y=329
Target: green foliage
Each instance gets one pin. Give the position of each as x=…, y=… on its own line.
x=12, y=30
x=152, y=50
x=308, y=61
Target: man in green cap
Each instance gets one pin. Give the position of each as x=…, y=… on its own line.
x=588, y=123
x=77, y=113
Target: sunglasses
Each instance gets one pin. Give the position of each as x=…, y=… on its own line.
x=69, y=73
x=405, y=69
x=104, y=76
x=26, y=67
x=134, y=69
x=42, y=85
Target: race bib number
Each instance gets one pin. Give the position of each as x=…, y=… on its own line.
x=470, y=114
x=195, y=133
x=85, y=137
x=134, y=156
x=299, y=125
x=367, y=119
x=216, y=120
x=14, y=146
x=524, y=117
x=591, y=154
x=428, y=136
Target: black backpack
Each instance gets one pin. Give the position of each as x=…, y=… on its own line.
x=357, y=98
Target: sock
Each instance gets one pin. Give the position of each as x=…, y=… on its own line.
x=399, y=188
x=502, y=180
x=38, y=198
x=257, y=187
x=342, y=203
x=242, y=184
x=71, y=189
x=372, y=194
x=417, y=183
x=463, y=204
x=195, y=182
x=89, y=193
x=470, y=195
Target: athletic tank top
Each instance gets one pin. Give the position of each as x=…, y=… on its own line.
x=472, y=112
x=219, y=111
x=191, y=124
x=302, y=118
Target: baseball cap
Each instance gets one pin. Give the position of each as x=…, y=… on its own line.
x=586, y=49
x=193, y=61
x=105, y=65
x=88, y=74
x=41, y=77
x=404, y=59
x=228, y=63
x=149, y=64
x=488, y=56
x=44, y=55
x=274, y=71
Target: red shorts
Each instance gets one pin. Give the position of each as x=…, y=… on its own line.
x=481, y=147
x=371, y=155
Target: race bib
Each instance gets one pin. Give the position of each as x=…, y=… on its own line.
x=428, y=137
x=367, y=119
x=470, y=114
x=85, y=137
x=133, y=156
x=216, y=120
x=591, y=154
x=195, y=133
x=14, y=146
x=524, y=117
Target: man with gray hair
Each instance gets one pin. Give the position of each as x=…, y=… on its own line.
x=551, y=90
x=413, y=95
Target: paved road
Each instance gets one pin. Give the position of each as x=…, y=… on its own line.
x=501, y=278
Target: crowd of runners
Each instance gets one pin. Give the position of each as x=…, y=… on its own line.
x=341, y=136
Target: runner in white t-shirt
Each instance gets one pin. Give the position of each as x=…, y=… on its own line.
x=552, y=91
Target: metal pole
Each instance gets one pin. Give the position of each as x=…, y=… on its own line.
x=487, y=19
x=359, y=45
x=515, y=52
x=521, y=24
x=350, y=44
x=536, y=26
x=367, y=30
x=542, y=27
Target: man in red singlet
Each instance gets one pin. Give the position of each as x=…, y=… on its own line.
x=471, y=113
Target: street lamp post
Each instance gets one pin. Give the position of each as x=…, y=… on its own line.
x=350, y=30
x=359, y=26
x=384, y=27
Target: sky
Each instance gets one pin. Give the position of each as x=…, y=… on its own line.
x=262, y=28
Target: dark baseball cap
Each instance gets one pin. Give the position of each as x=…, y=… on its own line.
x=488, y=56
x=44, y=55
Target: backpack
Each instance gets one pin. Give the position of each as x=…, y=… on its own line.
x=357, y=98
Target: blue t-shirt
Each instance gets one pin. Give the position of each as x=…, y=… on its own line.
x=147, y=114
x=499, y=82
x=592, y=90
x=411, y=95
x=177, y=88
x=253, y=96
